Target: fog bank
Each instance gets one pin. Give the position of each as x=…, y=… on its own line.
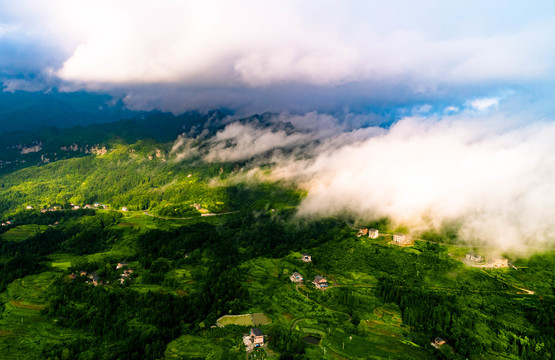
x=490, y=171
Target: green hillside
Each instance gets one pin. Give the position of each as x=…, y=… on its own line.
x=151, y=282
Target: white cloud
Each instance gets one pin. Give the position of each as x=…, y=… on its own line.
x=451, y=109
x=484, y=103
x=490, y=171
x=249, y=142
x=225, y=44
x=244, y=141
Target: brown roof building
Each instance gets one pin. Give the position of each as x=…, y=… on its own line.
x=320, y=282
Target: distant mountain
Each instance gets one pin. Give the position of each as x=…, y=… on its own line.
x=23, y=148
x=32, y=110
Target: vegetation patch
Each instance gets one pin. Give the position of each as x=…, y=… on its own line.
x=243, y=320
x=22, y=305
x=313, y=340
x=196, y=347
x=261, y=319
x=63, y=265
x=23, y=232
x=24, y=332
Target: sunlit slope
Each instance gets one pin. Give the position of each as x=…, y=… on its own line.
x=142, y=176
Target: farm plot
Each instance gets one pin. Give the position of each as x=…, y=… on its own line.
x=243, y=320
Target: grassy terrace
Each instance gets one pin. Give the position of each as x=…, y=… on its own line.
x=22, y=232
x=23, y=329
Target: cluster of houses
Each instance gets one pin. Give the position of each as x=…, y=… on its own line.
x=498, y=262
x=53, y=208
x=95, y=206
x=473, y=257
x=127, y=271
x=89, y=206
x=398, y=238
x=401, y=239
x=319, y=281
x=93, y=277
x=73, y=207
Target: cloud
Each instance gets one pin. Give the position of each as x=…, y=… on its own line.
x=221, y=53
x=198, y=44
x=295, y=134
x=484, y=103
x=491, y=172
x=495, y=178
x=451, y=109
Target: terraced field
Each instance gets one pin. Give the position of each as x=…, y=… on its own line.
x=22, y=232
x=23, y=330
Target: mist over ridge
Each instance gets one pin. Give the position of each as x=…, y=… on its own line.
x=487, y=169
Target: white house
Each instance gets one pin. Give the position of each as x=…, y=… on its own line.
x=474, y=257
x=402, y=239
x=499, y=263
x=373, y=233
x=296, y=277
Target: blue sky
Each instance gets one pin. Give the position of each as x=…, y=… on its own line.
x=268, y=55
